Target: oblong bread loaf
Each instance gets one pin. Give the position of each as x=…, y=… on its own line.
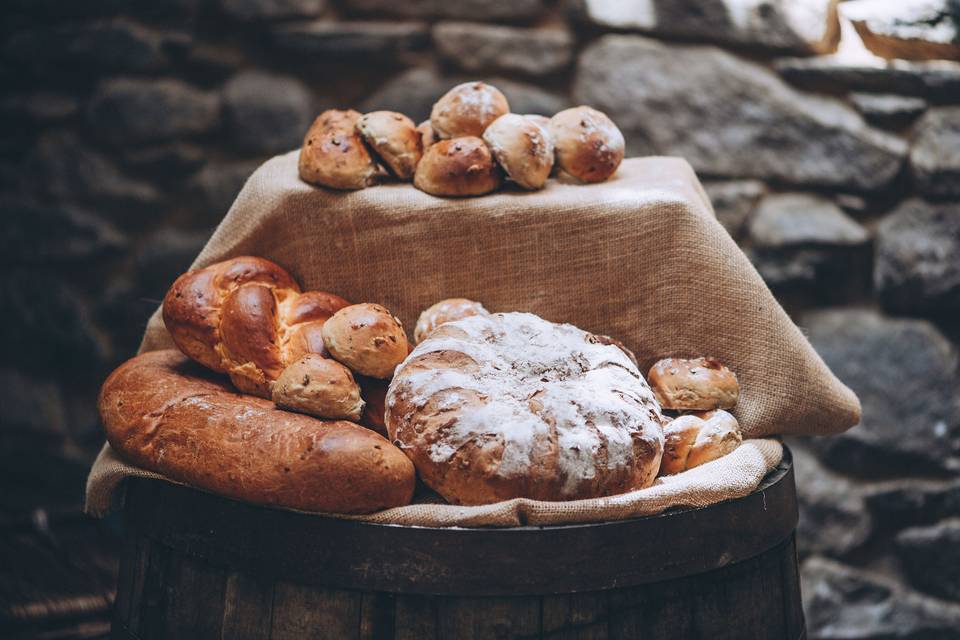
x=166, y=414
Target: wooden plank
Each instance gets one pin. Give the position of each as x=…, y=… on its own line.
x=416, y=618
x=792, y=603
x=247, y=608
x=153, y=599
x=489, y=617
x=430, y=561
x=195, y=599
x=579, y=616
x=301, y=611
x=377, y=616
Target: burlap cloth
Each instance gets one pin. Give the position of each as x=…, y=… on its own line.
x=640, y=257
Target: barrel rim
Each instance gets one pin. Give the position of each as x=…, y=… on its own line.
x=463, y=561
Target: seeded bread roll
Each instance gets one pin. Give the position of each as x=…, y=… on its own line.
x=699, y=384
x=333, y=155
x=467, y=110
x=458, y=167
x=394, y=139
x=367, y=338
x=320, y=387
x=166, y=414
x=445, y=311
x=588, y=144
x=522, y=148
x=695, y=439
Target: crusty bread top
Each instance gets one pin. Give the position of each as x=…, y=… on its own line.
x=166, y=414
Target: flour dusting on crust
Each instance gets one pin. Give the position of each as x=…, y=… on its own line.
x=560, y=404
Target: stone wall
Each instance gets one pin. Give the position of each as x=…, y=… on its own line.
x=130, y=126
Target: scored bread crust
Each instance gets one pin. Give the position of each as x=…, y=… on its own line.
x=165, y=414
x=508, y=405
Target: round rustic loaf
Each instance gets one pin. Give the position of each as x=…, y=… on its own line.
x=165, y=414
x=698, y=384
x=508, y=405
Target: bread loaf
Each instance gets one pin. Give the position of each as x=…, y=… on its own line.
x=165, y=414
x=246, y=317
x=508, y=405
x=467, y=110
x=445, y=311
x=333, y=155
x=695, y=439
x=458, y=167
x=367, y=338
x=588, y=144
x=698, y=384
x=523, y=149
x=394, y=139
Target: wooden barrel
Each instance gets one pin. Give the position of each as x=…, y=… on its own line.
x=196, y=565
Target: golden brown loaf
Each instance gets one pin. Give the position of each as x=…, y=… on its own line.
x=445, y=311
x=508, y=405
x=333, y=155
x=319, y=387
x=467, y=109
x=589, y=146
x=695, y=439
x=522, y=148
x=367, y=338
x=165, y=414
x=394, y=139
x=458, y=167
x=698, y=384
x=246, y=317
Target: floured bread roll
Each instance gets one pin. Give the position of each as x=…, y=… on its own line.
x=467, y=110
x=508, y=405
x=695, y=439
x=445, y=311
x=522, y=147
x=589, y=145
x=697, y=384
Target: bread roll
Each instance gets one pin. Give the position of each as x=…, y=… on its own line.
x=589, y=146
x=699, y=384
x=374, y=392
x=692, y=440
x=522, y=148
x=319, y=387
x=467, y=110
x=458, y=167
x=367, y=338
x=543, y=121
x=165, y=414
x=445, y=311
x=394, y=139
x=508, y=405
x=426, y=134
x=246, y=317
x=333, y=155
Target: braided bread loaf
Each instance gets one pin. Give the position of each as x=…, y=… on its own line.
x=247, y=317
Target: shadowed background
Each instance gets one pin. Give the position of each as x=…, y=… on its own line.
x=129, y=127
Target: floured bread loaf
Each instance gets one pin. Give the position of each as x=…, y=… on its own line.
x=508, y=405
